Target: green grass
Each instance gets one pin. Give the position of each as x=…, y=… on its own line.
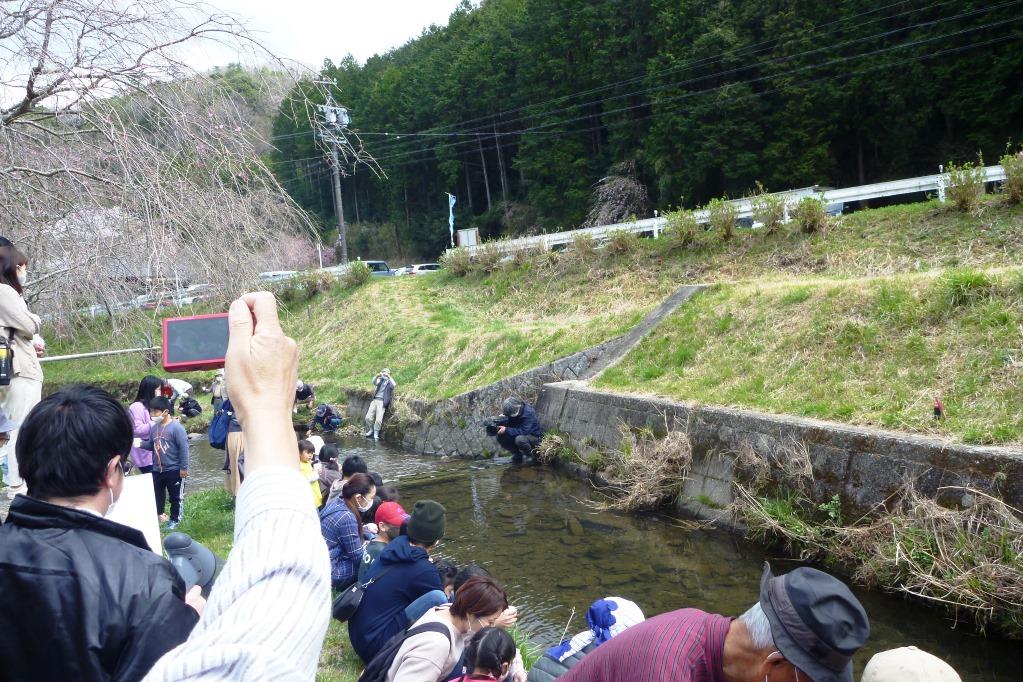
x=443, y=335
x=209, y=519
x=869, y=351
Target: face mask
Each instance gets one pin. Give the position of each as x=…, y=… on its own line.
x=369, y=505
x=22, y=278
x=110, y=509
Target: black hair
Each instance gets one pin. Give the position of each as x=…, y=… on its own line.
x=447, y=572
x=329, y=453
x=353, y=465
x=388, y=493
x=67, y=440
x=378, y=480
x=160, y=404
x=4, y=241
x=306, y=446
x=488, y=651
x=147, y=389
x=10, y=260
x=470, y=571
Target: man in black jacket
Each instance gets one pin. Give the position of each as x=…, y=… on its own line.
x=522, y=433
x=84, y=598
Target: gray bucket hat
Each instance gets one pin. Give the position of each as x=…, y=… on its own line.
x=816, y=622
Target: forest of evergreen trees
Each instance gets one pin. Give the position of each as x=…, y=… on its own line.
x=518, y=107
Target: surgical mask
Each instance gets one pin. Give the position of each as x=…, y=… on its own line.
x=110, y=509
x=369, y=505
x=22, y=277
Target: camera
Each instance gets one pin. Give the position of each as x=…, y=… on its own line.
x=492, y=424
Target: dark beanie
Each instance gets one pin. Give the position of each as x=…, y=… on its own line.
x=427, y=523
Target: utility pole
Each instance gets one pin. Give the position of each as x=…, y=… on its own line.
x=332, y=132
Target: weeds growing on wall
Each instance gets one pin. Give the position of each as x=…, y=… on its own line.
x=968, y=559
x=648, y=470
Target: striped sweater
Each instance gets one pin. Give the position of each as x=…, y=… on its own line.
x=269, y=609
x=679, y=646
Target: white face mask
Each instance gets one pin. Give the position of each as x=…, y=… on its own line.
x=22, y=277
x=113, y=503
x=369, y=505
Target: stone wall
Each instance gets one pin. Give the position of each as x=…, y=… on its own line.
x=455, y=426
x=863, y=466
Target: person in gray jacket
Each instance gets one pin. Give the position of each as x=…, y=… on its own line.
x=383, y=389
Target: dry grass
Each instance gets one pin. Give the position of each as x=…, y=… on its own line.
x=968, y=558
x=647, y=470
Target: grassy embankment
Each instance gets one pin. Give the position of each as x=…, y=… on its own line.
x=872, y=351
x=854, y=323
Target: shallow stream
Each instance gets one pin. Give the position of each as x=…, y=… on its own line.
x=533, y=529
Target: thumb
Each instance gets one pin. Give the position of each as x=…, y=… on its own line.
x=240, y=325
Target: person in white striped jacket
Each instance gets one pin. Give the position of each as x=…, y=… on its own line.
x=269, y=609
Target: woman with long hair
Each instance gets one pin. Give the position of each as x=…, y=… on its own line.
x=20, y=329
x=341, y=526
x=430, y=656
x=142, y=422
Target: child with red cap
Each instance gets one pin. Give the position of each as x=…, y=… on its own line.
x=390, y=516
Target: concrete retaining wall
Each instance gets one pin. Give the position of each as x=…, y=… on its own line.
x=864, y=466
x=455, y=426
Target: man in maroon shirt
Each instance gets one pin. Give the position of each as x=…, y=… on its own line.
x=805, y=628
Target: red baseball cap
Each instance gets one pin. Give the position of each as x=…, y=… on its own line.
x=391, y=513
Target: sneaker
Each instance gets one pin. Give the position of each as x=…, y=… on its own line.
x=171, y=525
x=369, y=434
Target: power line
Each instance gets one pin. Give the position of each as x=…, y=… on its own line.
x=984, y=43
x=721, y=56
x=686, y=65
x=540, y=127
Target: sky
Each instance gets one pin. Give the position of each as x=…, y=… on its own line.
x=310, y=30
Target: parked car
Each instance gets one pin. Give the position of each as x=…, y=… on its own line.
x=424, y=268
x=379, y=268
x=403, y=271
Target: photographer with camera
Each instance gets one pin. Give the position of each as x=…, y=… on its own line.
x=85, y=598
x=383, y=389
x=517, y=429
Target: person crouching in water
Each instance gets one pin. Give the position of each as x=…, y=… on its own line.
x=383, y=389
x=522, y=433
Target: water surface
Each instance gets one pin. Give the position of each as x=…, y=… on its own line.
x=533, y=528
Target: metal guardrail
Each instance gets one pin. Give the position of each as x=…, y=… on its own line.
x=98, y=354
x=744, y=209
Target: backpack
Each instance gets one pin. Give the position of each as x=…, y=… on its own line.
x=220, y=425
x=377, y=669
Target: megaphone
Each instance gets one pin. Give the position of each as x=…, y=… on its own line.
x=195, y=563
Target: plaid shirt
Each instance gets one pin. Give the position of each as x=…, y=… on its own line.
x=680, y=646
x=340, y=529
